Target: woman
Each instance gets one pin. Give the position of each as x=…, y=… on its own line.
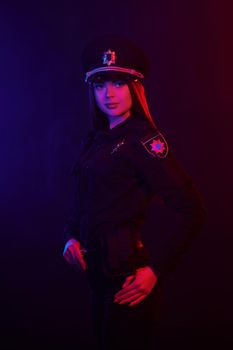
x=124, y=162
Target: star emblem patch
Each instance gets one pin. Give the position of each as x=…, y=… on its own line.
x=156, y=145
x=109, y=57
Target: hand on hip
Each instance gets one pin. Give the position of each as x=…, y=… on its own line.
x=137, y=287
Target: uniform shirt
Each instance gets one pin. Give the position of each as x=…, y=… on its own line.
x=117, y=174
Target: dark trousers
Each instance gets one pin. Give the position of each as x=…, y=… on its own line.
x=120, y=326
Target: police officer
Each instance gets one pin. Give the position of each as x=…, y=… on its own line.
x=123, y=163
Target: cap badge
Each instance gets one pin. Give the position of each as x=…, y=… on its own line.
x=109, y=57
x=156, y=146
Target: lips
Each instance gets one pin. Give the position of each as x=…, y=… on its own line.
x=111, y=105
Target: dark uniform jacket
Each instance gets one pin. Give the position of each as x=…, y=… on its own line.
x=116, y=176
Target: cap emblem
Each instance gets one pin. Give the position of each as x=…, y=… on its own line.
x=109, y=57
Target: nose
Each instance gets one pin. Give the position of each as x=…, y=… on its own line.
x=109, y=90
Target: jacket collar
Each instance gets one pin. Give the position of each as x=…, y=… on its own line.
x=134, y=123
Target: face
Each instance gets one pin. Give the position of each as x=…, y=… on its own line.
x=113, y=97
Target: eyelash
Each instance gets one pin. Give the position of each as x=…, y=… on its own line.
x=117, y=83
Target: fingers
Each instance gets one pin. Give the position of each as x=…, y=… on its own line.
x=79, y=260
x=129, y=288
x=129, y=298
x=138, y=300
x=134, y=296
x=68, y=256
x=128, y=295
x=73, y=255
x=136, y=288
x=128, y=280
x=129, y=292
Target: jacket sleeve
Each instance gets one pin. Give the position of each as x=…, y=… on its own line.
x=71, y=226
x=163, y=176
x=72, y=223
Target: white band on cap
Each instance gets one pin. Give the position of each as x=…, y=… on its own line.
x=113, y=68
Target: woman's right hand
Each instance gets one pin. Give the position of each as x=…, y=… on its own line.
x=73, y=254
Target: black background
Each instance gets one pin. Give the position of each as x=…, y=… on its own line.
x=44, y=114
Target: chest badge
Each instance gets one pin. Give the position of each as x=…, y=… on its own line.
x=156, y=145
x=115, y=149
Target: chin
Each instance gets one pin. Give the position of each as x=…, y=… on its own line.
x=115, y=113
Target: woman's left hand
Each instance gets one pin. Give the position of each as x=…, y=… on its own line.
x=137, y=287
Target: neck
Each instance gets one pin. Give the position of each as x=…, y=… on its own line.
x=115, y=120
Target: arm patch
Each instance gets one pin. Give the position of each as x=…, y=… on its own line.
x=155, y=144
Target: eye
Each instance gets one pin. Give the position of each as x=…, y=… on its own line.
x=98, y=86
x=119, y=83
